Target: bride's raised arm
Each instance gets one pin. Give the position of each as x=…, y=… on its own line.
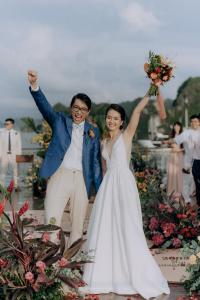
x=135, y=117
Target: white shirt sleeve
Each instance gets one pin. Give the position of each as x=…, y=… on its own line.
x=181, y=138
x=35, y=89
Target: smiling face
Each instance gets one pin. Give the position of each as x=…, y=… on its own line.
x=195, y=123
x=79, y=111
x=113, y=120
x=177, y=128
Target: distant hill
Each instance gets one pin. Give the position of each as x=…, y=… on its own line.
x=175, y=108
x=190, y=90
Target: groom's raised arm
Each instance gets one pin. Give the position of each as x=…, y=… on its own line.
x=43, y=105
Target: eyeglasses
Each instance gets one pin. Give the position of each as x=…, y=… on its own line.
x=6, y=124
x=77, y=108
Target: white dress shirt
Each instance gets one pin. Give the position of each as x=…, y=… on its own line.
x=73, y=157
x=192, y=138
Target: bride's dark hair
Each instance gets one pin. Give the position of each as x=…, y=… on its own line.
x=120, y=110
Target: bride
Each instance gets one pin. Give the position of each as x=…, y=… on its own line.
x=122, y=263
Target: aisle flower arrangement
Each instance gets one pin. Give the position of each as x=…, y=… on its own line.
x=34, y=181
x=171, y=224
x=31, y=265
x=192, y=284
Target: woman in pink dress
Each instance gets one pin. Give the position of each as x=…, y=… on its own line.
x=175, y=164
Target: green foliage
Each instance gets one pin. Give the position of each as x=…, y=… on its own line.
x=192, y=283
x=29, y=125
x=190, y=89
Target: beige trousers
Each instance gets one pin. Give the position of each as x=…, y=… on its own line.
x=65, y=185
x=8, y=161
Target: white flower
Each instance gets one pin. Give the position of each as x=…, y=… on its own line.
x=192, y=259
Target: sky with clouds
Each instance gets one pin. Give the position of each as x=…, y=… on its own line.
x=92, y=46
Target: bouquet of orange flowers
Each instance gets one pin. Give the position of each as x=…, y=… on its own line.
x=159, y=69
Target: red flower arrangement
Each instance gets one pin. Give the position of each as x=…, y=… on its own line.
x=170, y=225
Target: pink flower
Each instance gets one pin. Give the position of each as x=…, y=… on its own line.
x=170, y=210
x=11, y=186
x=165, y=78
x=63, y=262
x=162, y=206
x=176, y=242
x=45, y=237
x=158, y=239
x=24, y=208
x=153, y=75
x=3, y=263
x=41, y=266
x=153, y=224
x=181, y=216
x=168, y=228
x=29, y=276
x=2, y=206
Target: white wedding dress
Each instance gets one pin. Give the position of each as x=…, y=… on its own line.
x=123, y=263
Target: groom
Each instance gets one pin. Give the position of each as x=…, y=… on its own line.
x=72, y=162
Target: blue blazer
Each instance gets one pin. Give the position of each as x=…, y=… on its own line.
x=61, y=126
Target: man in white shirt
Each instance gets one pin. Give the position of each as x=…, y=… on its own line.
x=10, y=146
x=191, y=137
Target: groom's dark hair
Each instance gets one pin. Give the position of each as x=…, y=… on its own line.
x=84, y=98
x=194, y=117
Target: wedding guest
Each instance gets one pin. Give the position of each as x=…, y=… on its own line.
x=175, y=163
x=10, y=144
x=191, y=136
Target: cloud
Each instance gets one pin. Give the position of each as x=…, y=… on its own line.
x=138, y=18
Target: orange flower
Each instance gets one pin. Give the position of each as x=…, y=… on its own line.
x=146, y=67
x=153, y=75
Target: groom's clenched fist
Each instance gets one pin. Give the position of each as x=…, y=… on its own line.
x=32, y=78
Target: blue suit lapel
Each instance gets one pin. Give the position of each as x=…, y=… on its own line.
x=86, y=138
x=68, y=121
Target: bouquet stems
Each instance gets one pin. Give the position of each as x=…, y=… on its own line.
x=153, y=90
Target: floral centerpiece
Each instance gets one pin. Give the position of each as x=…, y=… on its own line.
x=34, y=181
x=31, y=265
x=148, y=183
x=43, y=138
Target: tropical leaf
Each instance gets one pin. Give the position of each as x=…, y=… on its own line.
x=73, y=249
x=49, y=227
x=69, y=281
